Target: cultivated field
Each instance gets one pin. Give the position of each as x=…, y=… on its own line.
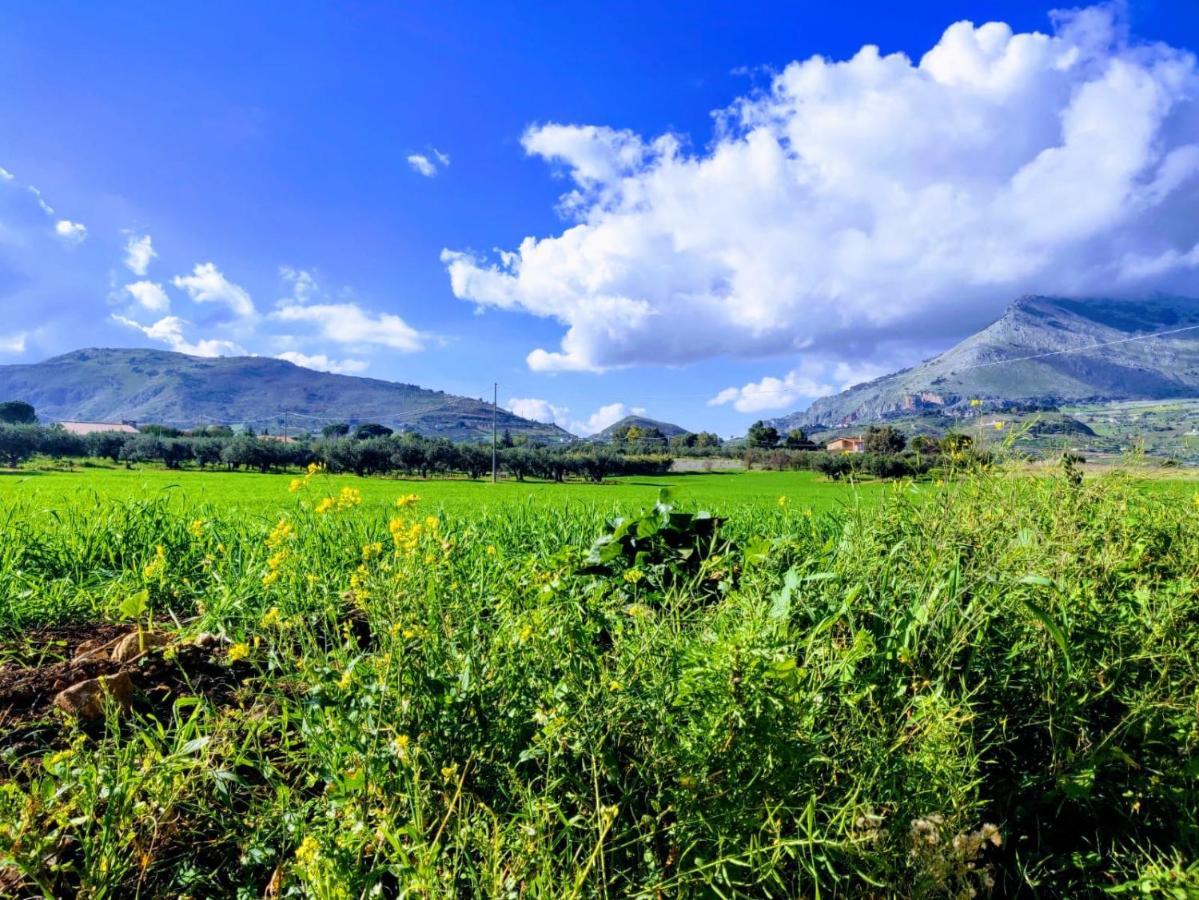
x=341, y=687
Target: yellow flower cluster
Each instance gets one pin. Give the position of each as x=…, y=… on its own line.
x=308, y=852
x=783, y=501
x=298, y=484
x=632, y=576
x=280, y=534
x=196, y=528
x=238, y=651
x=407, y=500
x=157, y=566
x=406, y=537
x=348, y=497
x=273, y=565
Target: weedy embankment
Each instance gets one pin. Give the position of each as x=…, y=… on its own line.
x=987, y=687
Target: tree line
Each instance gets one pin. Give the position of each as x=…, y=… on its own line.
x=366, y=452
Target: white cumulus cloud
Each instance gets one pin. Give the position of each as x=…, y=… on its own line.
x=348, y=323
x=206, y=284
x=809, y=380
x=5, y=175
x=71, y=232
x=540, y=411
x=323, y=363
x=150, y=295
x=169, y=330
x=139, y=250
x=543, y=411
x=342, y=321
x=861, y=201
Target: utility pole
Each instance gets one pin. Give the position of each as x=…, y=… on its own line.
x=495, y=398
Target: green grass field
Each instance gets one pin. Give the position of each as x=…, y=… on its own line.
x=266, y=494
x=984, y=686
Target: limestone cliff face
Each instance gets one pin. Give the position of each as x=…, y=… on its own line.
x=1108, y=360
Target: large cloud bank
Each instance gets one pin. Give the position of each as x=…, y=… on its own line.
x=867, y=200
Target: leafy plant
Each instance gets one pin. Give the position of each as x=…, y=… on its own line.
x=666, y=545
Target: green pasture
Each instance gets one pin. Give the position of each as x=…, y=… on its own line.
x=258, y=494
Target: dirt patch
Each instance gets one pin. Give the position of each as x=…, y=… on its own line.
x=80, y=673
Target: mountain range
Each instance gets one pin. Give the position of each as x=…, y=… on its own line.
x=158, y=386
x=1042, y=352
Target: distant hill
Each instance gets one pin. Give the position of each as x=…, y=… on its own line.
x=1017, y=361
x=609, y=434
x=267, y=394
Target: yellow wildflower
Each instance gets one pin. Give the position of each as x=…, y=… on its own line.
x=976, y=402
x=491, y=550
x=281, y=533
x=270, y=618
x=239, y=651
x=324, y=506
x=315, y=469
x=432, y=523
x=401, y=744
x=348, y=497
x=999, y=426
x=632, y=576
x=196, y=528
x=155, y=567
x=308, y=852
x=448, y=772
x=407, y=500
x=347, y=678
x=783, y=501
x=296, y=484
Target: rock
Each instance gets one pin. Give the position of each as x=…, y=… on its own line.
x=210, y=642
x=134, y=645
x=86, y=699
x=97, y=648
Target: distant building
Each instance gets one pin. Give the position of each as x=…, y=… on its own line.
x=93, y=427
x=846, y=445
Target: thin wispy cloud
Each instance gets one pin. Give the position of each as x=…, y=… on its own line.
x=169, y=330
x=428, y=164
x=322, y=363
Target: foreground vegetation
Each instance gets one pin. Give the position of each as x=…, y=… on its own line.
x=990, y=685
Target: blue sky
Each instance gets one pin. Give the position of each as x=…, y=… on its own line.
x=722, y=227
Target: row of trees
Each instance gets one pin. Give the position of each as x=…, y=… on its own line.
x=409, y=454
x=887, y=455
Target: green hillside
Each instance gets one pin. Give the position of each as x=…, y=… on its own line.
x=103, y=385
